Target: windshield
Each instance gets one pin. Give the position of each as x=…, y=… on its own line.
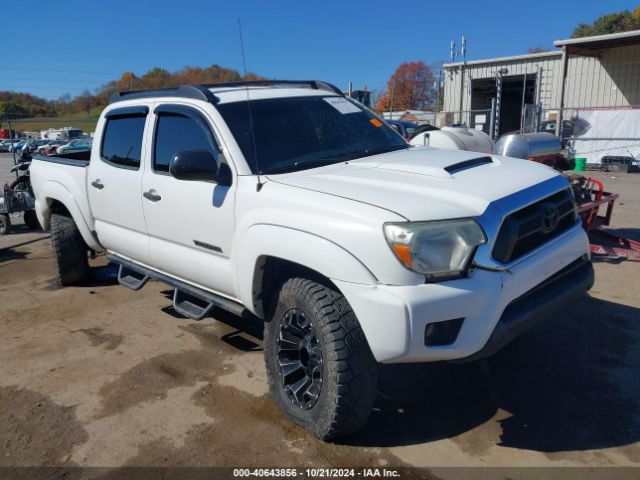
x=298, y=133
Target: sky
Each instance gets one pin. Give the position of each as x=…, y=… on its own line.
x=66, y=46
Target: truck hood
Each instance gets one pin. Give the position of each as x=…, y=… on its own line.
x=423, y=183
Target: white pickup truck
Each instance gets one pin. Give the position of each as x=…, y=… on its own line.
x=288, y=201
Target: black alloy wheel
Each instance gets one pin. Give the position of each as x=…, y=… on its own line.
x=300, y=358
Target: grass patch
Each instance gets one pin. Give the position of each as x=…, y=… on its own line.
x=77, y=120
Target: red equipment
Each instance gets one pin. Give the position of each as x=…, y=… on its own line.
x=590, y=196
x=553, y=160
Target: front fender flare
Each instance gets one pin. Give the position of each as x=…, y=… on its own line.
x=307, y=249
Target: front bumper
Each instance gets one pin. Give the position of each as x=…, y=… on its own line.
x=534, y=306
x=496, y=306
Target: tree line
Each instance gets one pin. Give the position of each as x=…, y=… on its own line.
x=17, y=105
x=412, y=85
x=615, y=22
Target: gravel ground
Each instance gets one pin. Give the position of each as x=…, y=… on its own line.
x=102, y=376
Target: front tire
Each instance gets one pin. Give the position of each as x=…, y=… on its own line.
x=321, y=372
x=70, y=250
x=31, y=219
x=5, y=224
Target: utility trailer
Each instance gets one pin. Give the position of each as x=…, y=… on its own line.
x=545, y=148
x=591, y=196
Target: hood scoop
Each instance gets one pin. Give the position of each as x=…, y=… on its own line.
x=427, y=161
x=467, y=164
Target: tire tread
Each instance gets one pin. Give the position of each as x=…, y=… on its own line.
x=353, y=390
x=70, y=250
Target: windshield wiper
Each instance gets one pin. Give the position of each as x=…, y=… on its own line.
x=296, y=166
x=303, y=165
x=378, y=151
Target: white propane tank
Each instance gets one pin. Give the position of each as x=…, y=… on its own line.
x=456, y=138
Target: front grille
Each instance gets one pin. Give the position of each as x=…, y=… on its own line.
x=532, y=226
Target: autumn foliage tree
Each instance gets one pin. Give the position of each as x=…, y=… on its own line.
x=410, y=87
x=615, y=22
x=161, y=78
x=17, y=105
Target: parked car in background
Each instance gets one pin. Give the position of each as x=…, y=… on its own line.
x=405, y=129
x=4, y=145
x=50, y=144
x=35, y=144
x=75, y=146
x=13, y=144
x=28, y=147
x=53, y=149
x=422, y=129
x=24, y=146
x=17, y=146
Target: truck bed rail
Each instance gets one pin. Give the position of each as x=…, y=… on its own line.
x=74, y=162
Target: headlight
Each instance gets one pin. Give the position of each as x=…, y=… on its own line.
x=439, y=249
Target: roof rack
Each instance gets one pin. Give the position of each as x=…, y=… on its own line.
x=202, y=92
x=314, y=84
x=197, y=92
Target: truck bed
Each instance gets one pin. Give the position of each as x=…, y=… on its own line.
x=62, y=176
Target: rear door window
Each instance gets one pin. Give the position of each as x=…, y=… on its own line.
x=122, y=141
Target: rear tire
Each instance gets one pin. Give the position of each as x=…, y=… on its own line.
x=70, y=250
x=5, y=224
x=332, y=366
x=31, y=219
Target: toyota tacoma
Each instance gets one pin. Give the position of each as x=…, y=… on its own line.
x=290, y=202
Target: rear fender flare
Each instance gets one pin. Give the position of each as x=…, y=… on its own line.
x=51, y=192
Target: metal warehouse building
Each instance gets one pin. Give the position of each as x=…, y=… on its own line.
x=587, y=91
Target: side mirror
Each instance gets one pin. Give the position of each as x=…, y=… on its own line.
x=198, y=165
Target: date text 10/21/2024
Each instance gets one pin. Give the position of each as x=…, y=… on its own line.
x=317, y=472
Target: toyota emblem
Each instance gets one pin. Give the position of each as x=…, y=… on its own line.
x=550, y=218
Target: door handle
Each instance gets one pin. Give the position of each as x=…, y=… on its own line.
x=97, y=184
x=152, y=195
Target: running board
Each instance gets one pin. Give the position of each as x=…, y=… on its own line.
x=190, y=306
x=131, y=278
x=185, y=297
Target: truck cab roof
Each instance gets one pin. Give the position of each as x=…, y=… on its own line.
x=235, y=91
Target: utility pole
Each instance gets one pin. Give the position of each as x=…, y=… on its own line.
x=440, y=82
x=463, y=51
x=393, y=95
x=538, y=108
x=13, y=150
x=463, y=66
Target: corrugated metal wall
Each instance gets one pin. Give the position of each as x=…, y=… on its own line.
x=549, y=95
x=611, y=80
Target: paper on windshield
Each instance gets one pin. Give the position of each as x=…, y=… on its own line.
x=341, y=104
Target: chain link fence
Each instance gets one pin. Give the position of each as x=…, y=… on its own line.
x=592, y=133
x=597, y=133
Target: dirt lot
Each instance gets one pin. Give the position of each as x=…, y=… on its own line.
x=104, y=376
